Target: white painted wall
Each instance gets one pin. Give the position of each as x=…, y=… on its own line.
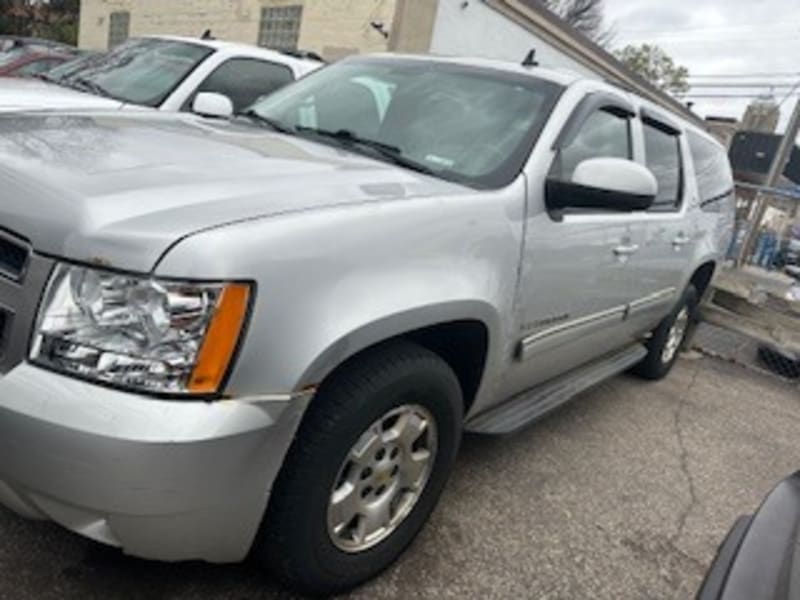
x=481, y=31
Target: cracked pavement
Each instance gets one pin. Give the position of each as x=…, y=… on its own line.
x=623, y=494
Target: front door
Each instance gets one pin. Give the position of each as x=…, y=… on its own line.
x=574, y=282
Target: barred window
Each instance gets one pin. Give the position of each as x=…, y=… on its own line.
x=280, y=26
x=119, y=24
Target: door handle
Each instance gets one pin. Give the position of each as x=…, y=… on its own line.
x=626, y=249
x=681, y=239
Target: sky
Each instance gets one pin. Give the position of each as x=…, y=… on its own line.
x=718, y=39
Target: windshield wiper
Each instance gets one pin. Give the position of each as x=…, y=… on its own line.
x=45, y=77
x=387, y=151
x=262, y=120
x=90, y=86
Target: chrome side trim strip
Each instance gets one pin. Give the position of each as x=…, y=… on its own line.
x=650, y=299
x=528, y=343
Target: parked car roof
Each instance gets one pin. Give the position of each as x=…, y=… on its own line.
x=303, y=64
x=9, y=42
x=559, y=76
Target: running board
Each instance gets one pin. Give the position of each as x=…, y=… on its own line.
x=527, y=407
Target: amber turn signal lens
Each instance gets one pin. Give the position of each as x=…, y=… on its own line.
x=221, y=340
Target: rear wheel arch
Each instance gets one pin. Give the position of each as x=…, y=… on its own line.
x=702, y=276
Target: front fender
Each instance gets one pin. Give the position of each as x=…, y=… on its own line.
x=333, y=282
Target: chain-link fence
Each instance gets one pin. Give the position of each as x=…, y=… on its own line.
x=753, y=312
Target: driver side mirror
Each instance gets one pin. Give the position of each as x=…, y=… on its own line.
x=613, y=184
x=211, y=104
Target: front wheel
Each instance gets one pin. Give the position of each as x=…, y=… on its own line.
x=667, y=339
x=368, y=464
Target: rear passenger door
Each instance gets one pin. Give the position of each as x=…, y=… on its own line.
x=244, y=80
x=665, y=234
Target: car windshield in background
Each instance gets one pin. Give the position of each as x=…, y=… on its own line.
x=143, y=71
x=11, y=56
x=70, y=67
x=466, y=124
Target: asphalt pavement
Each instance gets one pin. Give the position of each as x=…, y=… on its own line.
x=623, y=494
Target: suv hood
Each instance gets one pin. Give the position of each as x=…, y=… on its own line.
x=18, y=94
x=120, y=189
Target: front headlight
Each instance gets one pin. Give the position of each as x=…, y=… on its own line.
x=140, y=333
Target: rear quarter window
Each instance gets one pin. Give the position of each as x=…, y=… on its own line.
x=663, y=158
x=713, y=173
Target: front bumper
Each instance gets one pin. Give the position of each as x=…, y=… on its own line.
x=164, y=480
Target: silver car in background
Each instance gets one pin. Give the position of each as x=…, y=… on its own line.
x=267, y=334
x=168, y=73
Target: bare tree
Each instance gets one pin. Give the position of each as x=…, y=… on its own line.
x=584, y=15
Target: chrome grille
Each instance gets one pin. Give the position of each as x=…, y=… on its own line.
x=14, y=256
x=3, y=324
x=21, y=286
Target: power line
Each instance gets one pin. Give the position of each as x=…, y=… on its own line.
x=786, y=97
x=746, y=75
x=742, y=85
x=735, y=40
x=704, y=95
x=749, y=25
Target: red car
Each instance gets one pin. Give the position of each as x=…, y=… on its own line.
x=25, y=62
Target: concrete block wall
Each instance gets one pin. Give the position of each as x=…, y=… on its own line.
x=332, y=28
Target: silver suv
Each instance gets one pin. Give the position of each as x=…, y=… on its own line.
x=268, y=333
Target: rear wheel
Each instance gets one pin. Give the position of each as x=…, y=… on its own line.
x=365, y=471
x=667, y=339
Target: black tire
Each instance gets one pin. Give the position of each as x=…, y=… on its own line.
x=653, y=366
x=294, y=543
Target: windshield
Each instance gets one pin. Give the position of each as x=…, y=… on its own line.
x=12, y=56
x=466, y=124
x=71, y=67
x=143, y=71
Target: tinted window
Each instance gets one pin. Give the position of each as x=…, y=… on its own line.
x=712, y=170
x=602, y=135
x=662, y=151
x=466, y=124
x=245, y=80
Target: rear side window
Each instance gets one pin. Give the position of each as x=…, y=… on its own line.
x=245, y=80
x=712, y=171
x=602, y=135
x=663, y=157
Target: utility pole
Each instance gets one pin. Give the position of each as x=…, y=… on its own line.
x=782, y=157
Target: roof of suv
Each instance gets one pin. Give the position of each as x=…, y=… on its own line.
x=563, y=77
x=244, y=50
